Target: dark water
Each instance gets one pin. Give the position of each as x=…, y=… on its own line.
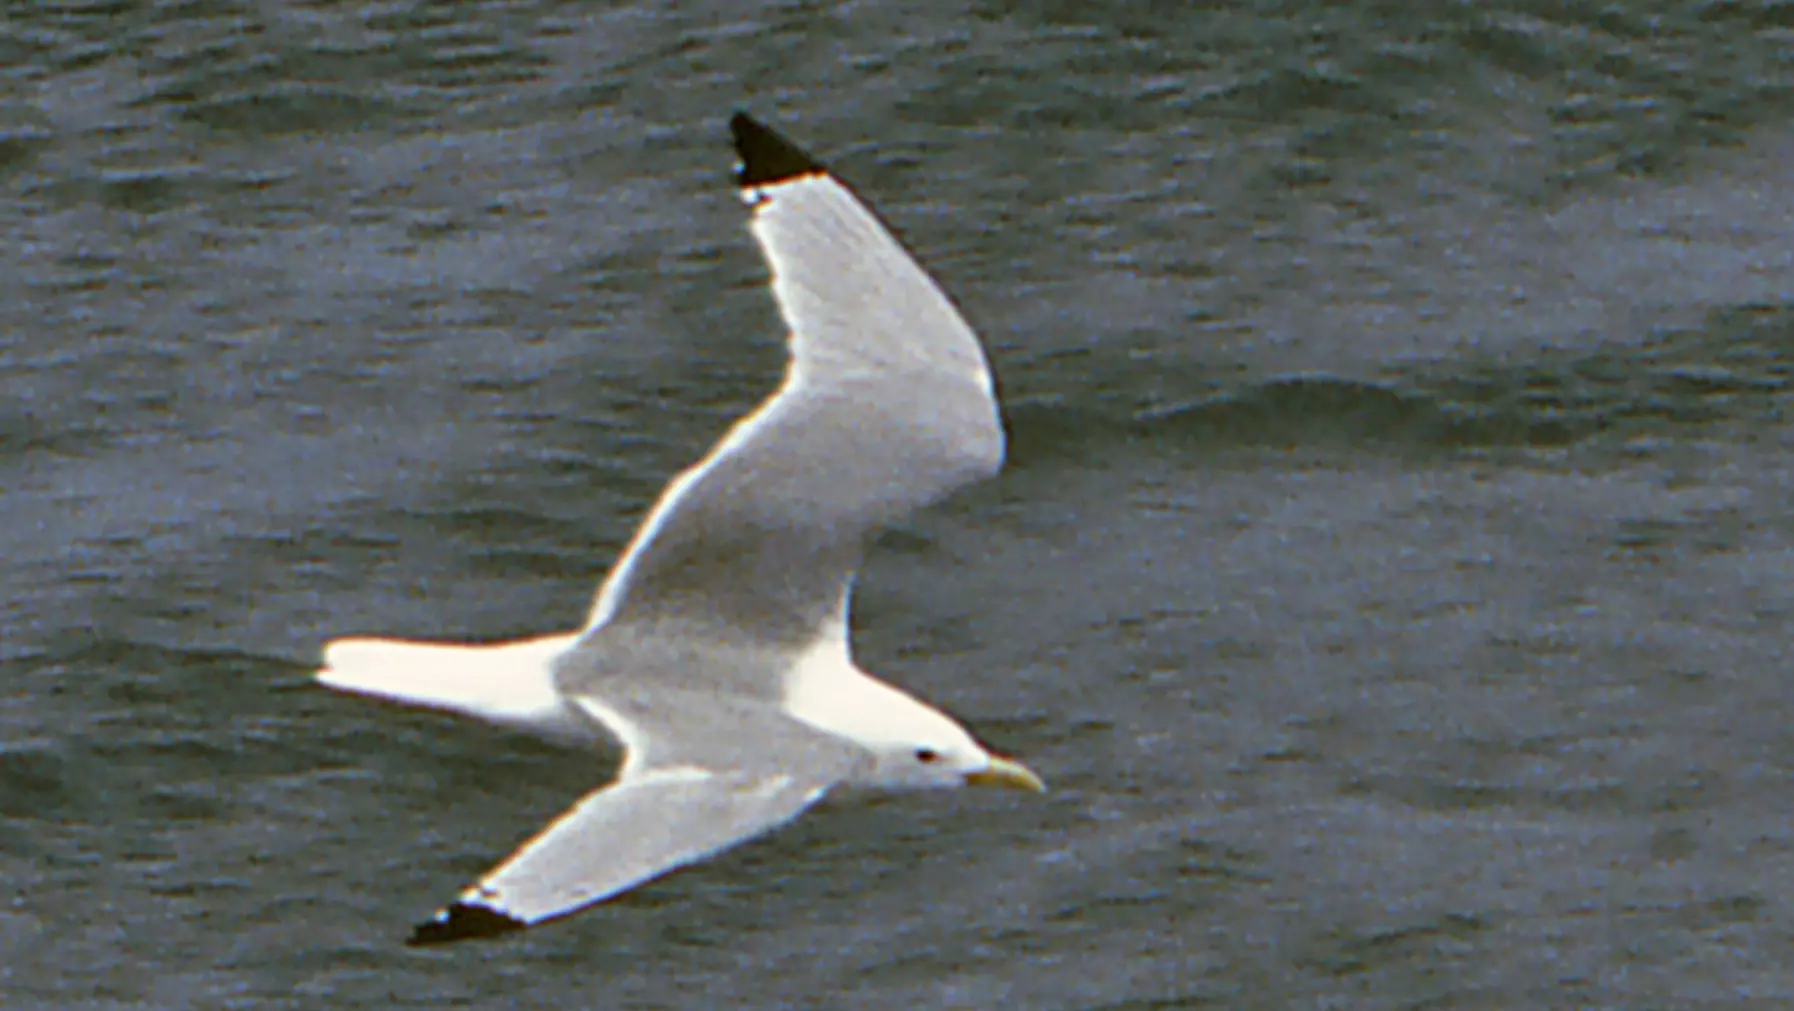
x=1392, y=575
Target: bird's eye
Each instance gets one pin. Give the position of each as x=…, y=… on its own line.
x=927, y=755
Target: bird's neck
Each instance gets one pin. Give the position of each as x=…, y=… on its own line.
x=827, y=690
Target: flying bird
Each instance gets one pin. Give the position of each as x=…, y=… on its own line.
x=717, y=650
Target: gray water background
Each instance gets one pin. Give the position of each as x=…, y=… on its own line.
x=1392, y=575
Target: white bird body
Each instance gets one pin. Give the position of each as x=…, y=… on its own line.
x=511, y=684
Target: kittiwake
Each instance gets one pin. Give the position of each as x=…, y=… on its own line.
x=717, y=650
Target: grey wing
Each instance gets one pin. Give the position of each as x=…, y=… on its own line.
x=887, y=405
x=619, y=837
x=701, y=775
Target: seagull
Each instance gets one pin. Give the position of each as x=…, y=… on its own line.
x=717, y=653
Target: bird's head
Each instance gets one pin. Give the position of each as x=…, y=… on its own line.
x=924, y=748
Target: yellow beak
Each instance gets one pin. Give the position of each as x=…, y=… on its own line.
x=1007, y=772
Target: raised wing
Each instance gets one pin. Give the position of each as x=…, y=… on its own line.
x=887, y=405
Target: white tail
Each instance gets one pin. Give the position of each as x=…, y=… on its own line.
x=508, y=683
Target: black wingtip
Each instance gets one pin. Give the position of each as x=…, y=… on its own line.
x=766, y=156
x=463, y=921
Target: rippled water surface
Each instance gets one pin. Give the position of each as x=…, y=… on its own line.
x=1392, y=575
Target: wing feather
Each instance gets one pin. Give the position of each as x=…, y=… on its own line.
x=619, y=837
x=887, y=405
